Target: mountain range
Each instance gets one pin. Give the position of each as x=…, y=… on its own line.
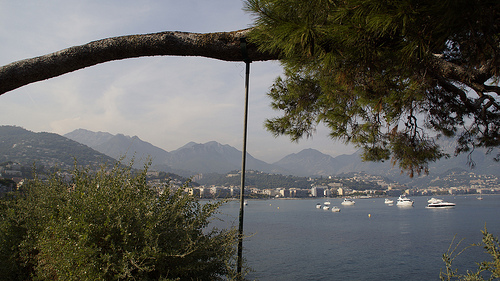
x=210, y=157
x=48, y=149
x=213, y=157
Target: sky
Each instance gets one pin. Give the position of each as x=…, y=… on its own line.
x=166, y=101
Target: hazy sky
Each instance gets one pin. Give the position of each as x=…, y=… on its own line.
x=167, y=101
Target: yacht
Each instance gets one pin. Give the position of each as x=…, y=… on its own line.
x=403, y=201
x=439, y=204
x=347, y=202
x=388, y=201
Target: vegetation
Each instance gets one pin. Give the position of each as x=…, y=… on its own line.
x=47, y=149
x=256, y=179
x=385, y=75
x=486, y=269
x=110, y=225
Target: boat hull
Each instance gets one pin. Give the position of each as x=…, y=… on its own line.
x=442, y=205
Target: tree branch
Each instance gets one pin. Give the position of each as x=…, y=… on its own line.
x=492, y=89
x=449, y=70
x=219, y=45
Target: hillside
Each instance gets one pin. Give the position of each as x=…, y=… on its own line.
x=121, y=147
x=26, y=147
x=192, y=158
x=48, y=149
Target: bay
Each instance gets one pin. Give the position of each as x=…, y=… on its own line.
x=292, y=240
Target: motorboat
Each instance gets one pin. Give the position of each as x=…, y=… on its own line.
x=326, y=207
x=480, y=198
x=335, y=209
x=327, y=203
x=388, y=201
x=245, y=202
x=440, y=204
x=404, y=201
x=347, y=202
x=318, y=206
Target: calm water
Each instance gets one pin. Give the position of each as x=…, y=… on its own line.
x=292, y=240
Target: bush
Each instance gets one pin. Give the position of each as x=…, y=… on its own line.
x=486, y=269
x=110, y=225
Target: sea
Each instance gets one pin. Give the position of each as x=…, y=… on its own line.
x=293, y=240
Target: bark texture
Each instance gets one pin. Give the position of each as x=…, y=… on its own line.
x=220, y=45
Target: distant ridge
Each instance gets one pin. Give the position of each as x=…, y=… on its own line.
x=190, y=159
x=26, y=147
x=120, y=146
x=18, y=144
x=213, y=157
x=309, y=162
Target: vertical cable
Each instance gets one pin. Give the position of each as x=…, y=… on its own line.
x=243, y=160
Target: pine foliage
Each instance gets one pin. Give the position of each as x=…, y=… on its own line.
x=384, y=75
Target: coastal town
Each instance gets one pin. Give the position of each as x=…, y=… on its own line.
x=356, y=184
x=347, y=186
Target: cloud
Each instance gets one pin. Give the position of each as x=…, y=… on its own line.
x=167, y=101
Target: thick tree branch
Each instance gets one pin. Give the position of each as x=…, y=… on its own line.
x=449, y=70
x=220, y=45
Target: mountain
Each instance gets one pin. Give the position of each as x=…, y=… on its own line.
x=18, y=144
x=89, y=138
x=192, y=158
x=309, y=162
x=213, y=157
x=27, y=147
x=122, y=147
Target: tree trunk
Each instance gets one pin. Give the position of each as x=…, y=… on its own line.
x=220, y=45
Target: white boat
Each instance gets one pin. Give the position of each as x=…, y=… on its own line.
x=327, y=203
x=318, y=206
x=480, y=198
x=335, y=209
x=403, y=201
x=326, y=207
x=388, y=201
x=347, y=202
x=245, y=202
x=440, y=205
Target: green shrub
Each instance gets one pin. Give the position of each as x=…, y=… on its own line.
x=110, y=225
x=485, y=269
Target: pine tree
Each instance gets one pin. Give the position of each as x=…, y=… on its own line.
x=385, y=75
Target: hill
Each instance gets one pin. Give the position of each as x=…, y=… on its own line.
x=18, y=144
x=192, y=158
x=122, y=147
x=213, y=157
x=48, y=149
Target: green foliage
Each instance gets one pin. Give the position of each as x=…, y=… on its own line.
x=45, y=149
x=258, y=180
x=486, y=269
x=380, y=74
x=110, y=225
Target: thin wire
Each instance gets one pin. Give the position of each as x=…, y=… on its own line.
x=243, y=161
